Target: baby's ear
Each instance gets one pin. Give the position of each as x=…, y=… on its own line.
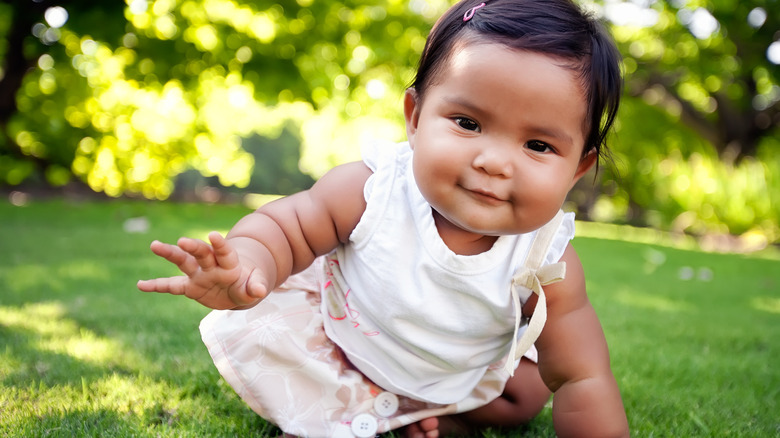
x=411, y=113
x=586, y=163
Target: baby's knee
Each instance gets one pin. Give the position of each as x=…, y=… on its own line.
x=524, y=397
x=526, y=392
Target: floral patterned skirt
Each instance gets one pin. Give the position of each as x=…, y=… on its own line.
x=278, y=359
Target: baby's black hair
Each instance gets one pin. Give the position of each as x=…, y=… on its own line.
x=557, y=28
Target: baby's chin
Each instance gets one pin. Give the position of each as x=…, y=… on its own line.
x=487, y=225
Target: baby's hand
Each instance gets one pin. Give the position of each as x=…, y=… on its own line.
x=213, y=274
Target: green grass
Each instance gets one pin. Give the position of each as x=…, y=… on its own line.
x=83, y=353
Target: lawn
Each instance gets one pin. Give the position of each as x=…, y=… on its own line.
x=694, y=336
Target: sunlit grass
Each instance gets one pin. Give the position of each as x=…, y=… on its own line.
x=754, y=243
x=694, y=336
x=693, y=353
x=767, y=304
x=83, y=352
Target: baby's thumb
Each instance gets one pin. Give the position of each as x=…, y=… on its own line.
x=256, y=287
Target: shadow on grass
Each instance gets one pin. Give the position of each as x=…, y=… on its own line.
x=45, y=367
x=60, y=377
x=78, y=423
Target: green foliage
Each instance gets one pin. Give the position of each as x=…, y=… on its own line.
x=707, y=64
x=675, y=180
x=183, y=83
x=698, y=127
x=85, y=354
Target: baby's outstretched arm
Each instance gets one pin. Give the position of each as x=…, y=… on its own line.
x=574, y=361
x=266, y=246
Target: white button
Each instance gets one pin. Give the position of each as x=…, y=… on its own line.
x=386, y=404
x=342, y=431
x=364, y=426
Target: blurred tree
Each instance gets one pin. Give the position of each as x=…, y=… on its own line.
x=712, y=64
x=128, y=95
x=20, y=23
x=697, y=140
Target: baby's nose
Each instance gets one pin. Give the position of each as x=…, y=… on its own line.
x=493, y=161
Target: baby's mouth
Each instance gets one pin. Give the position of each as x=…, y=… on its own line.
x=486, y=195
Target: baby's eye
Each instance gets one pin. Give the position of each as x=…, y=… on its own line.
x=467, y=124
x=539, y=146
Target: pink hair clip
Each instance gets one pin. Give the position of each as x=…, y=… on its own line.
x=468, y=15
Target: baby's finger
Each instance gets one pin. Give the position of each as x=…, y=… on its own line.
x=169, y=285
x=226, y=256
x=177, y=256
x=201, y=250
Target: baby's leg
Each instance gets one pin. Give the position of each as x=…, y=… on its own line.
x=524, y=397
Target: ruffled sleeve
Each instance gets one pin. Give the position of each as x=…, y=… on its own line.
x=376, y=155
x=387, y=160
x=562, y=237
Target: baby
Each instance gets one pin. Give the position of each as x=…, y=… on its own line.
x=431, y=285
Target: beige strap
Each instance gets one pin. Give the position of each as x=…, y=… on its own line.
x=533, y=276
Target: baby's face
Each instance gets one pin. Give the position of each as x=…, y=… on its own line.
x=498, y=139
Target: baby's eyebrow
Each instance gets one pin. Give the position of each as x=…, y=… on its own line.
x=483, y=113
x=457, y=100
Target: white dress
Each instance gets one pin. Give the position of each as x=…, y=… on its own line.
x=412, y=315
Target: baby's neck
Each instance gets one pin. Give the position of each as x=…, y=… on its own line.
x=460, y=241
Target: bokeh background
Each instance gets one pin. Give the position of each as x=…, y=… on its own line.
x=221, y=99
x=228, y=103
